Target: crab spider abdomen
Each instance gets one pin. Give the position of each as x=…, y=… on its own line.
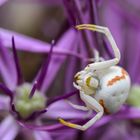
x=114, y=89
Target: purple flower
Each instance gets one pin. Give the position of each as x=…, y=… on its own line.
x=28, y=101
x=78, y=48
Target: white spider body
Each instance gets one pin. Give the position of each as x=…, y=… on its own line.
x=111, y=88
x=114, y=85
x=103, y=86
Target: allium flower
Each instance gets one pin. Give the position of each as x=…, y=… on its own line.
x=123, y=23
x=28, y=101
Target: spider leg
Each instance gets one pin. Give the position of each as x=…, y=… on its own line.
x=105, y=30
x=76, y=86
x=96, y=58
x=78, y=107
x=93, y=104
x=96, y=55
x=88, y=114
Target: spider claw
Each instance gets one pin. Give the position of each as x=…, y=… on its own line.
x=62, y=121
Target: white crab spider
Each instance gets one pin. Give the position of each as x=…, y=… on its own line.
x=103, y=86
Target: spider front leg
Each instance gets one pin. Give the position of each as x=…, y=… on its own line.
x=105, y=30
x=96, y=58
x=92, y=104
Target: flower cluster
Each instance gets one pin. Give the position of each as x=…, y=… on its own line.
x=27, y=110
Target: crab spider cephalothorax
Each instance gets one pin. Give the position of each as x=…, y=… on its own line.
x=103, y=86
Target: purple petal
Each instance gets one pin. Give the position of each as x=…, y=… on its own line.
x=7, y=91
x=25, y=43
x=83, y=51
x=17, y=65
x=65, y=43
x=75, y=10
x=6, y=76
x=42, y=135
x=8, y=129
x=103, y=121
x=66, y=134
x=7, y=67
x=45, y=127
x=52, y=100
x=33, y=89
x=133, y=62
x=124, y=114
x=120, y=131
x=41, y=127
x=4, y=103
x=71, y=71
x=117, y=12
x=129, y=113
x=44, y=69
x=122, y=9
x=114, y=23
x=64, y=110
